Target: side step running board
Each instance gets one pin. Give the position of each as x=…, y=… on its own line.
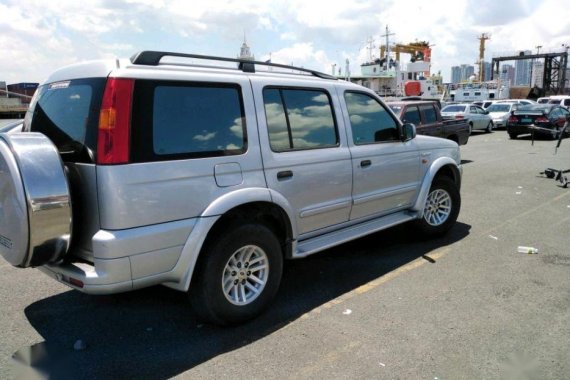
x=322, y=242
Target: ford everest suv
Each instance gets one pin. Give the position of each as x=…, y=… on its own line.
x=204, y=178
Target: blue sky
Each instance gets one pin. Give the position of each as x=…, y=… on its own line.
x=38, y=36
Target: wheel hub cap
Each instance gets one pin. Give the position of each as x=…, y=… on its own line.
x=245, y=275
x=438, y=207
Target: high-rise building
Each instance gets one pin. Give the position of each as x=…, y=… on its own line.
x=507, y=74
x=461, y=73
x=455, y=74
x=537, y=74
x=487, y=71
x=522, y=71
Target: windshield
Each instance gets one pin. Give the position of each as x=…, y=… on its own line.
x=68, y=113
x=499, y=108
x=395, y=109
x=453, y=108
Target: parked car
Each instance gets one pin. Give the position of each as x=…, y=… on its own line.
x=560, y=100
x=426, y=116
x=517, y=101
x=550, y=118
x=543, y=100
x=476, y=116
x=500, y=113
x=132, y=173
x=483, y=103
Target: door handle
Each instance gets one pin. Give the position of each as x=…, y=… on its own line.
x=365, y=163
x=286, y=174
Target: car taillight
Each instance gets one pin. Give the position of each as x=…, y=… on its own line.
x=113, y=141
x=513, y=119
x=459, y=116
x=541, y=119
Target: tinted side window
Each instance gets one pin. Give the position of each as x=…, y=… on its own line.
x=429, y=114
x=369, y=120
x=299, y=119
x=175, y=120
x=412, y=115
x=68, y=113
x=567, y=102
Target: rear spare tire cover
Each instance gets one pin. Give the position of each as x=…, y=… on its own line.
x=35, y=204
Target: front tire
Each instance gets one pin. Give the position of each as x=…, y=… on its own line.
x=237, y=275
x=489, y=128
x=513, y=136
x=441, y=209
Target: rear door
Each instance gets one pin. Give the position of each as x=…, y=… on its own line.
x=431, y=123
x=305, y=157
x=386, y=170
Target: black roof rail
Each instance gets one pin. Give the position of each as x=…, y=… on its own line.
x=152, y=58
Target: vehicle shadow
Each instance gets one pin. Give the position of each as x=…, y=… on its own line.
x=152, y=333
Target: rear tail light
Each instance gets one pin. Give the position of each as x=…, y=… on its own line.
x=541, y=119
x=459, y=117
x=113, y=141
x=513, y=119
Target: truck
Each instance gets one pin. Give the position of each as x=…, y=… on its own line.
x=426, y=116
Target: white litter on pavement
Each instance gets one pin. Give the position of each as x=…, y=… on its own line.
x=347, y=312
x=520, y=187
x=382, y=364
x=493, y=237
x=518, y=193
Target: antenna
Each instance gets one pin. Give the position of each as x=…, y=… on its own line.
x=387, y=35
x=370, y=47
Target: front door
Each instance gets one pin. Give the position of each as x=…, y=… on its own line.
x=386, y=170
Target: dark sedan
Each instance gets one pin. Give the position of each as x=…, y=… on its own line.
x=549, y=120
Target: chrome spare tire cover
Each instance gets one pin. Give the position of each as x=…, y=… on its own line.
x=35, y=204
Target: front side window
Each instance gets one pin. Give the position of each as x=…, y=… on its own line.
x=369, y=120
x=299, y=119
x=176, y=120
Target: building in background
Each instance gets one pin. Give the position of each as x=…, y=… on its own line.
x=522, y=71
x=487, y=71
x=245, y=51
x=461, y=73
x=26, y=90
x=507, y=74
x=537, y=74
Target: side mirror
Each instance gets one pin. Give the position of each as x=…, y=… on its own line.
x=409, y=131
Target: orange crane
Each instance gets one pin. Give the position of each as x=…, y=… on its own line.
x=419, y=51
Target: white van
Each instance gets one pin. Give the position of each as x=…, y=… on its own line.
x=562, y=100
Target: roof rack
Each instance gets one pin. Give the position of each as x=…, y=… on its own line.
x=152, y=58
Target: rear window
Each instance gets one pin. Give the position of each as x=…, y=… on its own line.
x=68, y=113
x=499, y=108
x=453, y=109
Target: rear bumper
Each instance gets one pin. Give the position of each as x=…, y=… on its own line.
x=524, y=129
x=126, y=259
x=104, y=277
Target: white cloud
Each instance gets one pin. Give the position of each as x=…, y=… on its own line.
x=47, y=34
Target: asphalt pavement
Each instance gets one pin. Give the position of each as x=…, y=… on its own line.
x=388, y=306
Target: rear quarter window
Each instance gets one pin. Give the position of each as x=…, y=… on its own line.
x=178, y=120
x=68, y=113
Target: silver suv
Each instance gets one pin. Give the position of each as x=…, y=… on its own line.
x=163, y=169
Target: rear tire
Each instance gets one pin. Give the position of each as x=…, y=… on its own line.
x=237, y=275
x=470, y=129
x=441, y=209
